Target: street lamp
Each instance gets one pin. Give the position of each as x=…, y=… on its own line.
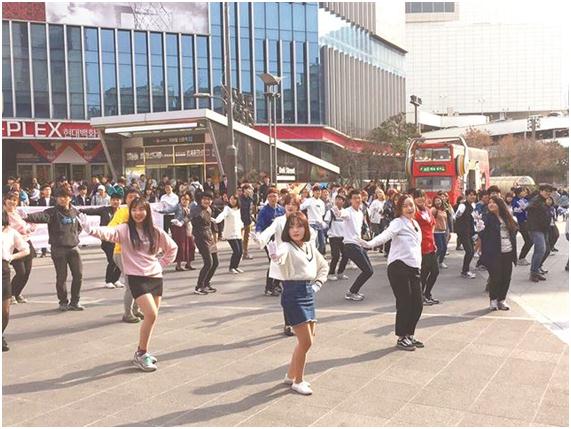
x=272, y=83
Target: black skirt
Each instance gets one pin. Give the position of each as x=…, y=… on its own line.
x=140, y=285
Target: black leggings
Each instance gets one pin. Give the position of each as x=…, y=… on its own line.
x=210, y=261
x=236, y=245
x=405, y=283
x=336, y=244
x=23, y=268
x=468, y=245
x=527, y=241
x=429, y=273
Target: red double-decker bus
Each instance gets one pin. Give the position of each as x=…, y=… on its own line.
x=446, y=164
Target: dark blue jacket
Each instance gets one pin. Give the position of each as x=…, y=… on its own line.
x=520, y=214
x=267, y=216
x=491, y=245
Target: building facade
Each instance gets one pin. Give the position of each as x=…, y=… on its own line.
x=502, y=59
x=65, y=64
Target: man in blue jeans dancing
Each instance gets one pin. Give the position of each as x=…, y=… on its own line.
x=352, y=226
x=538, y=223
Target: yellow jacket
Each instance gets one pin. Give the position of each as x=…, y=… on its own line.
x=120, y=216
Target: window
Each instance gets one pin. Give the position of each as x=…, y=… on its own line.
x=434, y=184
x=449, y=7
x=430, y=154
x=314, y=84
x=125, y=72
x=261, y=105
x=75, y=72
x=21, y=69
x=203, y=74
x=57, y=70
x=92, y=73
x=429, y=7
x=216, y=54
x=40, y=71
x=173, y=77
x=8, y=103
x=110, y=105
x=157, y=73
x=187, y=47
x=286, y=21
x=439, y=7
x=301, y=82
x=142, y=72
x=287, y=83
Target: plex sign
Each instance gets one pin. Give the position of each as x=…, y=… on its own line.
x=432, y=168
x=48, y=130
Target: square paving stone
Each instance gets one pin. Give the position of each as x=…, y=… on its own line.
x=423, y=415
x=342, y=419
x=484, y=420
x=552, y=415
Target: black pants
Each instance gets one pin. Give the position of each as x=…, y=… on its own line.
x=553, y=236
x=112, y=272
x=210, y=263
x=23, y=268
x=236, y=245
x=468, y=246
x=500, y=277
x=271, y=284
x=548, y=241
x=336, y=244
x=63, y=257
x=359, y=256
x=429, y=273
x=405, y=283
x=167, y=222
x=527, y=241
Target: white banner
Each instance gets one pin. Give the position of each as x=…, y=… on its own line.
x=40, y=236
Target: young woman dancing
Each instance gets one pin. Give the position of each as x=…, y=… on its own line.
x=141, y=244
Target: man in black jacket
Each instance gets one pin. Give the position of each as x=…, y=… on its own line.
x=538, y=222
x=465, y=231
x=82, y=199
x=63, y=229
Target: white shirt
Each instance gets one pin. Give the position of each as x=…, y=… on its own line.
x=302, y=263
x=171, y=199
x=505, y=241
x=315, y=210
x=375, y=211
x=12, y=240
x=352, y=225
x=335, y=225
x=405, y=244
x=232, y=223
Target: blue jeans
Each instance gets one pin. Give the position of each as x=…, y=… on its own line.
x=320, y=240
x=441, y=245
x=539, y=246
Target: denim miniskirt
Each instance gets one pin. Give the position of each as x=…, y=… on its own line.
x=298, y=302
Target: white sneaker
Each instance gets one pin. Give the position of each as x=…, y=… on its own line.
x=109, y=286
x=302, y=388
x=342, y=277
x=351, y=266
x=119, y=285
x=469, y=275
x=240, y=270
x=443, y=265
x=289, y=381
x=493, y=304
x=503, y=305
x=332, y=277
x=233, y=271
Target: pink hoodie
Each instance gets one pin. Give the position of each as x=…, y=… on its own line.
x=139, y=262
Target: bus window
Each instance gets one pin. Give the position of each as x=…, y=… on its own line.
x=432, y=154
x=434, y=183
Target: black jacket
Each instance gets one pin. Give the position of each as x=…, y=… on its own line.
x=538, y=215
x=63, y=225
x=42, y=202
x=81, y=201
x=465, y=223
x=202, y=228
x=491, y=245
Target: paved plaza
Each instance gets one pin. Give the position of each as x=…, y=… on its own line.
x=222, y=357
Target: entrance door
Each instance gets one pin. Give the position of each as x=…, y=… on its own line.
x=61, y=170
x=78, y=172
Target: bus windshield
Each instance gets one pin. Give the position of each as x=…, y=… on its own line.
x=432, y=154
x=434, y=183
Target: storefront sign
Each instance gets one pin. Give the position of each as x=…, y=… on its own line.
x=432, y=168
x=158, y=155
x=134, y=156
x=48, y=130
x=194, y=154
x=154, y=141
x=286, y=174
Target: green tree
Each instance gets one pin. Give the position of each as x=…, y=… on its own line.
x=394, y=134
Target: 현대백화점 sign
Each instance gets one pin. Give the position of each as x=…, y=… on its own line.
x=49, y=130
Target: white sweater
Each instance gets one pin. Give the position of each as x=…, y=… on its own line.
x=406, y=241
x=232, y=223
x=315, y=210
x=375, y=210
x=302, y=263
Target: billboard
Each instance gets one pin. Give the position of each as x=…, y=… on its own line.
x=184, y=17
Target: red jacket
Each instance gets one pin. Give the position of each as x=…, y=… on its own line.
x=427, y=224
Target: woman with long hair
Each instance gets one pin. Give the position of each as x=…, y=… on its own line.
x=22, y=266
x=403, y=269
x=304, y=271
x=181, y=230
x=141, y=243
x=11, y=241
x=232, y=231
x=440, y=214
x=497, y=230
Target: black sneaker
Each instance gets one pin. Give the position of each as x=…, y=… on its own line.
x=427, y=301
x=210, y=289
x=76, y=307
x=288, y=332
x=200, y=291
x=405, y=344
x=434, y=300
x=415, y=342
x=63, y=307
x=5, y=347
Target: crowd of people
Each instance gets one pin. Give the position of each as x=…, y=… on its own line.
x=410, y=229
